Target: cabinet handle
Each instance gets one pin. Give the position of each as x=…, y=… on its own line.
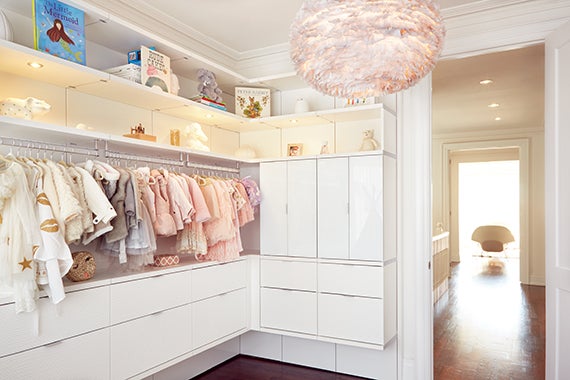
x=286, y=208
x=348, y=208
x=157, y=313
x=54, y=343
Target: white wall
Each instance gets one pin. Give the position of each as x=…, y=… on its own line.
x=535, y=192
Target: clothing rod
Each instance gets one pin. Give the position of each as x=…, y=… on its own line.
x=28, y=144
x=194, y=165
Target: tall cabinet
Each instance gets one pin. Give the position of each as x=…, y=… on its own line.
x=337, y=224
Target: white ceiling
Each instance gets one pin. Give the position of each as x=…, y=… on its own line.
x=460, y=102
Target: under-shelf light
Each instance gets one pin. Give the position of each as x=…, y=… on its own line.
x=498, y=118
x=35, y=65
x=209, y=116
x=493, y=105
x=294, y=121
x=485, y=81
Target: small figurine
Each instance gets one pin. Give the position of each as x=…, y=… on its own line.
x=325, y=147
x=368, y=142
x=195, y=137
x=137, y=129
x=23, y=108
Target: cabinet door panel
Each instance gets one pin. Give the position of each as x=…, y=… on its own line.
x=299, y=275
x=302, y=208
x=56, y=322
x=217, y=317
x=332, y=218
x=143, y=343
x=366, y=208
x=273, y=216
x=83, y=357
x=355, y=280
x=289, y=310
x=352, y=318
x=153, y=294
x=218, y=279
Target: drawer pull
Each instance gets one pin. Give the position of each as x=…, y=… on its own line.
x=57, y=342
x=157, y=313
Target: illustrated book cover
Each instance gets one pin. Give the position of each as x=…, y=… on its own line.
x=253, y=102
x=155, y=69
x=59, y=29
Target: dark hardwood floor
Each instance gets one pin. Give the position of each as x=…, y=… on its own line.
x=248, y=368
x=488, y=326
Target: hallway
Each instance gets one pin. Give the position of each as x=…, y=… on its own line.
x=488, y=326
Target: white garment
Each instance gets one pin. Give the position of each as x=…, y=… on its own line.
x=96, y=199
x=19, y=238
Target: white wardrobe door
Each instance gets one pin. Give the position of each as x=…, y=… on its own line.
x=332, y=188
x=302, y=208
x=273, y=182
x=366, y=203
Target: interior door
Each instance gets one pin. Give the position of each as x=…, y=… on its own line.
x=557, y=213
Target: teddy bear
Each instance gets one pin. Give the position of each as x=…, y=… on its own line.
x=195, y=137
x=208, y=86
x=368, y=142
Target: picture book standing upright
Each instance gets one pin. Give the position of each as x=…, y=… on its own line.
x=59, y=29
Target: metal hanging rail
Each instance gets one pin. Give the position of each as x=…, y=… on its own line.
x=39, y=146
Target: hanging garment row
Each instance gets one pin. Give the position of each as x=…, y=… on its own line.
x=47, y=205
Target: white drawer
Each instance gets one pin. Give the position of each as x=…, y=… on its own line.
x=217, y=317
x=356, y=280
x=352, y=318
x=289, y=310
x=143, y=343
x=78, y=313
x=134, y=299
x=84, y=357
x=289, y=274
x=218, y=279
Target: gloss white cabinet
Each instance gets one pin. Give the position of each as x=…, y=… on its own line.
x=289, y=310
x=289, y=208
x=273, y=210
x=372, y=216
x=333, y=208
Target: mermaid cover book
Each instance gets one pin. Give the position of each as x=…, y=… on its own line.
x=59, y=29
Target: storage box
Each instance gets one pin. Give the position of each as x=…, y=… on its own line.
x=129, y=71
x=166, y=260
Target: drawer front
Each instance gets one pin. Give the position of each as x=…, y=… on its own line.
x=143, y=343
x=90, y=306
x=289, y=274
x=352, y=318
x=217, y=317
x=84, y=357
x=289, y=310
x=356, y=280
x=218, y=279
x=138, y=298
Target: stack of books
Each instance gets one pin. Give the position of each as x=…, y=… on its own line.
x=209, y=102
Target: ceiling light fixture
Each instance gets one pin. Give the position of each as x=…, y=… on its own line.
x=294, y=121
x=360, y=48
x=35, y=65
x=493, y=105
x=486, y=81
x=498, y=118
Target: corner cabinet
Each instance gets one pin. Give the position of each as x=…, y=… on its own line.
x=328, y=246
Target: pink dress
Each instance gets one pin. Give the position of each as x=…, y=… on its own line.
x=164, y=224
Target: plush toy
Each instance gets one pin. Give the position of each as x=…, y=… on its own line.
x=83, y=267
x=368, y=142
x=195, y=138
x=208, y=86
x=23, y=108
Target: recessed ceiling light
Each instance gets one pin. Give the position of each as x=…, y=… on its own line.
x=209, y=116
x=35, y=65
x=498, y=118
x=293, y=121
x=493, y=105
x=485, y=81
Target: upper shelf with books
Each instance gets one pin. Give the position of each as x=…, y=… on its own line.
x=16, y=58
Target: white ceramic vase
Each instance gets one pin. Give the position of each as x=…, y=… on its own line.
x=301, y=106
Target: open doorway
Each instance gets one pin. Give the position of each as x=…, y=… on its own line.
x=485, y=191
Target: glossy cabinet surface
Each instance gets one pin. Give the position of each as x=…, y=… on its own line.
x=302, y=208
x=289, y=310
x=333, y=208
x=273, y=211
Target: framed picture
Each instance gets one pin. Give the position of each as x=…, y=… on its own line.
x=294, y=150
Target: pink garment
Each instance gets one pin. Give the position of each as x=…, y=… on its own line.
x=180, y=207
x=202, y=212
x=164, y=224
x=221, y=228
x=210, y=196
x=246, y=213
